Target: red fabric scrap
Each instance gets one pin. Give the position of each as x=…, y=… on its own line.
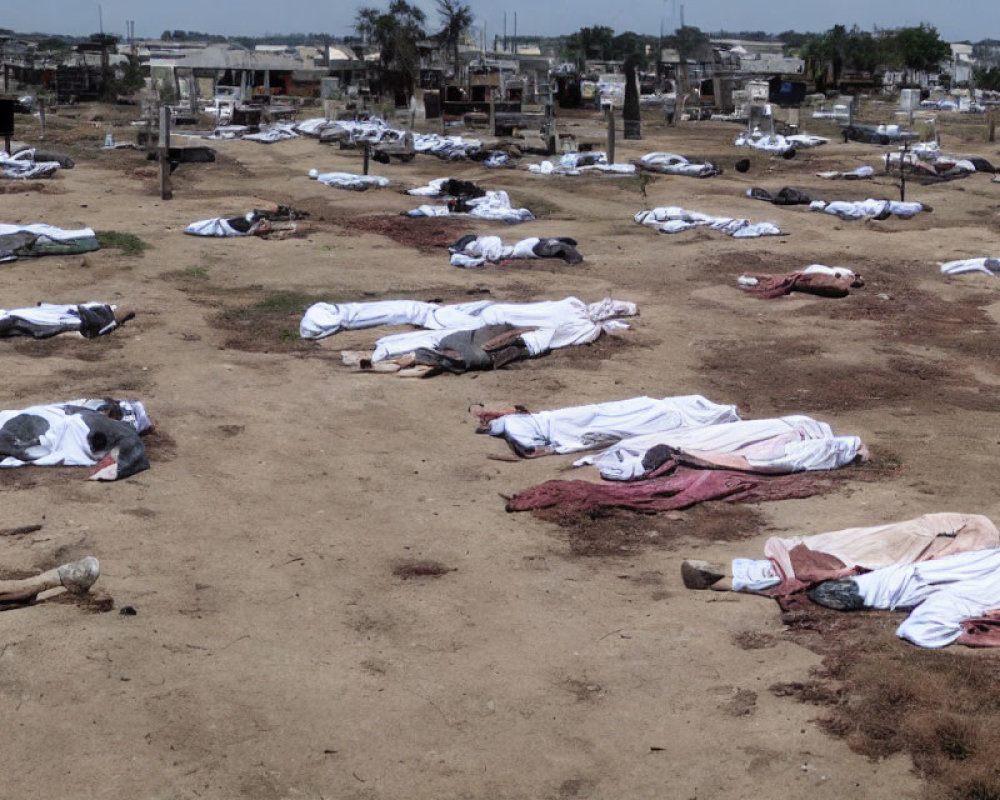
x=981, y=631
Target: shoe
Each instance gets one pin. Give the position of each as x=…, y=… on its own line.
x=700, y=574
x=79, y=577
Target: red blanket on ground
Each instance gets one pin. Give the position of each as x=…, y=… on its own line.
x=683, y=488
x=769, y=286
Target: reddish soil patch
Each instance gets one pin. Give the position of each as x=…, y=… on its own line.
x=421, y=233
x=619, y=533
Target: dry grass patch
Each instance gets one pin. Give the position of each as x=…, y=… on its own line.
x=884, y=696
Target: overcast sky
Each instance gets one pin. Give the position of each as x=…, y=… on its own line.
x=955, y=20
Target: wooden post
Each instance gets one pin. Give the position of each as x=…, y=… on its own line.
x=166, y=192
x=993, y=126
x=902, y=172
x=368, y=153
x=41, y=116
x=493, y=114
x=611, y=132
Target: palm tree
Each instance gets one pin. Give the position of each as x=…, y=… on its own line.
x=457, y=19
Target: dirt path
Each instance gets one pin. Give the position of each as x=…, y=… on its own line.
x=275, y=654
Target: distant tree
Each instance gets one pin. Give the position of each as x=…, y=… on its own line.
x=52, y=44
x=795, y=41
x=365, y=22
x=691, y=44
x=988, y=79
x=396, y=31
x=863, y=51
x=630, y=45
x=920, y=49
x=591, y=44
x=840, y=49
x=456, y=18
x=132, y=79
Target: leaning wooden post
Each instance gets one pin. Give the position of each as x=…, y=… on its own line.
x=610, y=112
x=166, y=192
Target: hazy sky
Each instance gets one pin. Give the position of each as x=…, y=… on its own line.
x=955, y=20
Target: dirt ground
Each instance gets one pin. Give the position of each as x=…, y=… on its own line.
x=292, y=638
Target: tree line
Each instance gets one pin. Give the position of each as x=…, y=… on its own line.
x=912, y=48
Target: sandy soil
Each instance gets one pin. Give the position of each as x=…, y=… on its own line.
x=278, y=651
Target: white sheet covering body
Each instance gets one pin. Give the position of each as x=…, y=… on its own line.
x=989, y=266
x=348, y=180
x=781, y=445
x=62, y=317
x=217, y=226
x=877, y=546
x=373, y=130
x=48, y=231
x=492, y=249
x=812, y=269
x=494, y=205
x=275, y=132
x=673, y=164
x=85, y=237
x=776, y=143
x=859, y=173
x=450, y=148
x=945, y=591
x=66, y=441
x=864, y=209
x=673, y=219
x=558, y=323
x=548, y=168
x=569, y=430
x=433, y=188
x=23, y=166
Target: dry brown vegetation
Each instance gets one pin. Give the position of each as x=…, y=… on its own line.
x=884, y=696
